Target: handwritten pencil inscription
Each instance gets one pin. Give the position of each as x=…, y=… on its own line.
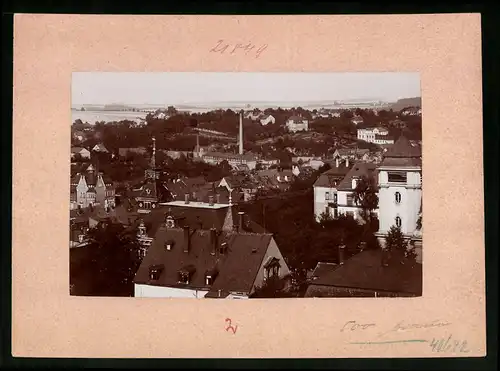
x=230, y=326
x=353, y=326
x=448, y=345
x=224, y=47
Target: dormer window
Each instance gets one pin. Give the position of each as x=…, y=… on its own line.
x=186, y=273
x=155, y=272
x=208, y=280
x=169, y=244
x=170, y=223
x=223, y=248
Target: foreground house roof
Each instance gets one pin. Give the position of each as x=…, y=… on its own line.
x=365, y=271
x=199, y=253
x=359, y=170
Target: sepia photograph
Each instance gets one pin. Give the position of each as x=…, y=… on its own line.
x=239, y=185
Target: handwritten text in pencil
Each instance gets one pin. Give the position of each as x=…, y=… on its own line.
x=224, y=47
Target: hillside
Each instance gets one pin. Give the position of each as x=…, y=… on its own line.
x=407, y=102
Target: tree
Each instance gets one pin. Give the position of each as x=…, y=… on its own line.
x=365, y=195
x=419, y=220
x=110, y=261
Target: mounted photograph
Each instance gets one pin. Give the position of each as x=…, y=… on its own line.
x=219, y=185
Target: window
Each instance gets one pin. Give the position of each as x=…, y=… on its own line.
x=184, y=277
x=327, y=195
x=168, y=245
x=398, y=222
x=397, y=177
x=155, y=272
x=222, y=248
x=208, y=280
x=397, y=197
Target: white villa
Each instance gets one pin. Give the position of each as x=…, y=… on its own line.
x=377, y=135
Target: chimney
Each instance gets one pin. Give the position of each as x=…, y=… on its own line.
x=241, y=133
x=337, y=162
x=186, y=198
x=217, y=198
x=341, y=254
x=347, y=162
x=211, y=200
x=187, y=238
x=213, y=240
x=241, y=215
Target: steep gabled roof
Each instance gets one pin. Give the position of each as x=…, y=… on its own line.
x=358, y=170
x=331, y=177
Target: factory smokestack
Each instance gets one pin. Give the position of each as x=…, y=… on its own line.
x=241, y=132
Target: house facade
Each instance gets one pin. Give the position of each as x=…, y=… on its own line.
x=325, y=190
x=377, y=135
x=90, y=189
x=296, y=123
x=233, y=159
x=346, y=204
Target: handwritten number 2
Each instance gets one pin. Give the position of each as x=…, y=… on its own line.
x=230, y=326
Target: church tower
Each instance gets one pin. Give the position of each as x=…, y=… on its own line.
x=148, y=197
x=400, y=189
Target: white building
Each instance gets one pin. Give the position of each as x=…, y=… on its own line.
x=267, y=119
x=221, y=257
x=296, y=123
x=325, y=189
x=346, y=204
x=400, y=190
x=377, y=135
x=233, y=159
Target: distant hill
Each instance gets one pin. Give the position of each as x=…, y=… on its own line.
x=407, y=102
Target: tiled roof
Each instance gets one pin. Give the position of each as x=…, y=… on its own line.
x=323, y=268
x=237, y=267
x=332, y=177
x=403, y=148
x=365, y=271
x=358, y=170
x=246, y=253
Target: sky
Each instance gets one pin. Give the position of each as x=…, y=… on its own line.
x=205, y=87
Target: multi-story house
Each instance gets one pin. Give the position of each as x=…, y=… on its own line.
x=90, y=188
x=296, y=123
x=325, y=189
